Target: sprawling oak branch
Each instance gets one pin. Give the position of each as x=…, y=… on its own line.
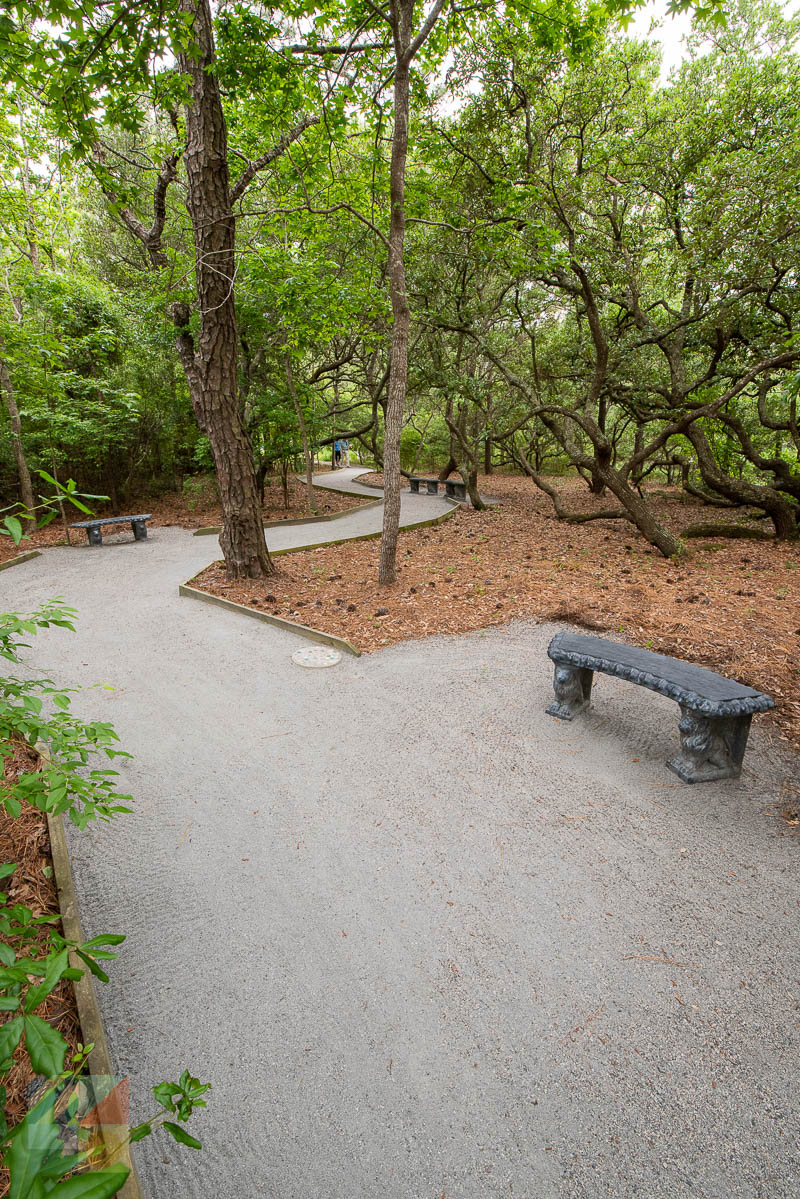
x=258, y=164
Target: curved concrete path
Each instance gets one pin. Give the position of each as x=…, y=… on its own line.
x=414, y=510
x=424, y=940
x=346, y=479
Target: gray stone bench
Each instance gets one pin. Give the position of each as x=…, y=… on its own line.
x=92, y=527
x=715, y=711
x=456, y=489
x=431, y=484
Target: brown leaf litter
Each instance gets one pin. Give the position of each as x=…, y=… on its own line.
x=729, y=605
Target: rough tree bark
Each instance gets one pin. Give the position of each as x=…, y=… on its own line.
x=7, y=388
x=782, y=512
x=467, y=465
x=211, y=363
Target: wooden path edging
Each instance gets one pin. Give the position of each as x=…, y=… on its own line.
x=291, y=626
x=91, y=1021
x=302, y=520
x=26, y=557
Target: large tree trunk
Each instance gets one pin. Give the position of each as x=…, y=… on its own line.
x=782, y=512
x=211, y=364
x=7, y=387
x=395, y=400
x=640, y=514
x=636, y=509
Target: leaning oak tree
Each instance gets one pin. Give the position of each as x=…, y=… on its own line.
x=97, y=67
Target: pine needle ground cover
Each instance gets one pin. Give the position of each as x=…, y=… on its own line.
x=732, y=606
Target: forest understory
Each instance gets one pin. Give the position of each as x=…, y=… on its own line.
x=25, y=841
x=730, y=605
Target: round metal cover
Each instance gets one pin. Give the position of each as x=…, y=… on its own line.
x=316, y=657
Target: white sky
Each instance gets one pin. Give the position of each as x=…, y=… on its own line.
x=671, y=30
x=670, y=33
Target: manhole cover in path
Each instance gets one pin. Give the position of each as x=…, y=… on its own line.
x=315, y=657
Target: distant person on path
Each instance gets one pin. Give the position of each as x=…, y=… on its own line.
x=346, y=449
x=337, y=454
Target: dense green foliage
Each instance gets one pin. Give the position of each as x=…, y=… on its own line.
x=601, y=265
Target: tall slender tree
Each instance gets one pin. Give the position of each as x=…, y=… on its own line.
x=74, y=64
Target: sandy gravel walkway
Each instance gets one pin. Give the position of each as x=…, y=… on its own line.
x=424, y=941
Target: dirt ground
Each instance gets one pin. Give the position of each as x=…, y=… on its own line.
x=730, y=605
x=194, y=508
x=26, y=843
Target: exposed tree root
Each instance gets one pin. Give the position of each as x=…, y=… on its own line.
x=722, y=530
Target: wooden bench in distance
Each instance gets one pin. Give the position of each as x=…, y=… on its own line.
x=93, y=527
x=715, y=711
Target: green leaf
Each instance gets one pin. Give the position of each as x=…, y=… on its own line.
x=35, y=1142
x=10, y=1034
x=81, y=507
x=93, y=966
x=12, y=806
x=55, y=966
x=181, y=1135
x=98, y=1184
x=140, y=1132
x=46, y=1047
x=164, y=1093
x=13, y=528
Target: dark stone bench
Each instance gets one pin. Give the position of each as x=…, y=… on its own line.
x=456, y=489
x=432, y=484
x=92, y=527
x=715, y=711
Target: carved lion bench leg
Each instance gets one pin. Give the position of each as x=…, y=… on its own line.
x=573, y=689
x=711, y=748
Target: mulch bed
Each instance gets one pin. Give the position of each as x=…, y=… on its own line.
x=194, y=510
x=25, y=842
x=731, y=605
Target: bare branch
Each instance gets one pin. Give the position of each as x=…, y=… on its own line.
x=322, y=50
x=150, y=238
x=280, y=147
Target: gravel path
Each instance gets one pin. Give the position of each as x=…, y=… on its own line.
x=424, y=940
